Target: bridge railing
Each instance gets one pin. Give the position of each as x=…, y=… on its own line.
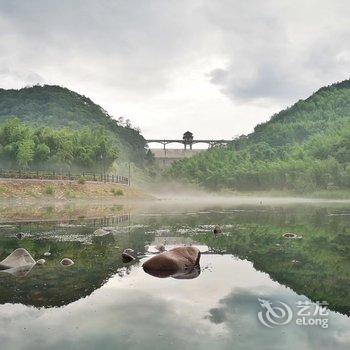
x=211, y=143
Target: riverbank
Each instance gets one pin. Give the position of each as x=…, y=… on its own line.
x=320, y=194
x=66, y=190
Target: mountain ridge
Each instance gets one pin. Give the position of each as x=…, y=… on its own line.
x=305, y=147
x=59, y=107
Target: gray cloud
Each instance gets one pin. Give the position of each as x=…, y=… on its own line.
x=138, y=57
x=132, y=44
x=281, y=51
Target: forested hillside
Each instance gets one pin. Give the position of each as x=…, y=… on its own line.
x=303, y=148
x=56, y=107
x=24, y=146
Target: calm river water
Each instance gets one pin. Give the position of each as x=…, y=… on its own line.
x=256, y=289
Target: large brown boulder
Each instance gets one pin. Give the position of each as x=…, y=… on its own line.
x=181, y=262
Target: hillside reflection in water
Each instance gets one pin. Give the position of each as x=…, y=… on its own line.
x=99, y=301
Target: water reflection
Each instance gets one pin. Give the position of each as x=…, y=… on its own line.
x=100, y=301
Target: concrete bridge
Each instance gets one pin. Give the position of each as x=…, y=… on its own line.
x=165, y=156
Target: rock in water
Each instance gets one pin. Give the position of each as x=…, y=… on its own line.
x=47, y=254
x=102, y=232
x=177, y=262
x=67, y=262
x=18, y=263
x=291, y=235
x=19, y=257
x=217, y=230
x=19, y=235
x=128, y=251
x=127, y=257
x=41, y=262
x=160, y=248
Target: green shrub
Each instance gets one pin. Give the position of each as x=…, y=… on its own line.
x=117, y=191
x=81, y=180
x=49, y=190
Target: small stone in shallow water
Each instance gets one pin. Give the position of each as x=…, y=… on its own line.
x=146, y=247
x=19, y=235
x=160, y=248
x=67, y=262
x=217, y=230
x=102, y=232
x=41, y=262
x=291, y=235
x=47, y=254
x=128, y=251
x=127, y=257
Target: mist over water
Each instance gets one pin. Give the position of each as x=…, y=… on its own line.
x=100, y=299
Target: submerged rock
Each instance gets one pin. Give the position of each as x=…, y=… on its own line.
x=41, y=262
x=18, y=263
x=19, y=235
x=181, y=262
x=217, y=230
x=47, y=254
x=67, y=262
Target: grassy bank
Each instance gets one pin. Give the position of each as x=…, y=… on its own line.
x=66, y=190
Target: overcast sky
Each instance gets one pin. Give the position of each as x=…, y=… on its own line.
x=216, y=68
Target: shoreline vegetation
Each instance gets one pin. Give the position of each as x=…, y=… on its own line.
x=320, y=194
x=66, y=190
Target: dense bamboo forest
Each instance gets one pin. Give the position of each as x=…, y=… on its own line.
x=56, y=107
x=303, y=148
